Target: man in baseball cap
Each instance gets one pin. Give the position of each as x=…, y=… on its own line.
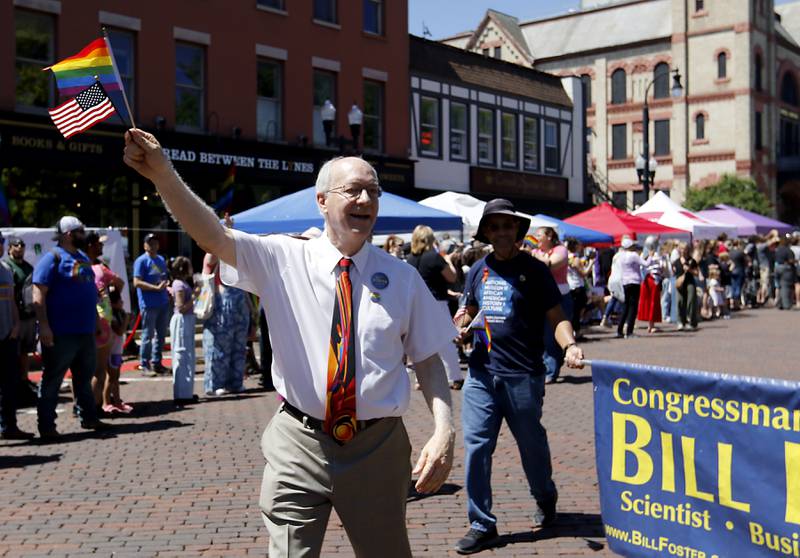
x=150, y=278
x=508, y=295
x=64, y=299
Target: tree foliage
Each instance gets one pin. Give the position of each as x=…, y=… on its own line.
x=731, y=190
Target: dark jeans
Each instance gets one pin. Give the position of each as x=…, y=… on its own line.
x=786, y=276
x=579, y=300
x=489, y=399
x=9, y=384
x=687, y=306
x=155, y=323
x=629, y=308
x=78, y=354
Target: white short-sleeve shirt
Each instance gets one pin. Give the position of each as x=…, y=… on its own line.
x=395, y=315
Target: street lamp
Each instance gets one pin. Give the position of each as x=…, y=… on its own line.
x=646, y=178
x=328, y=113
x=651, y=169
x=355, y=118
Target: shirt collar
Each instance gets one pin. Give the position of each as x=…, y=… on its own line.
x=330, y=255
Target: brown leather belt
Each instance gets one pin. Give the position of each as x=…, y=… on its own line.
x=315, y=424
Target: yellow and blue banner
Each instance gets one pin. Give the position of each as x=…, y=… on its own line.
x=697, y=464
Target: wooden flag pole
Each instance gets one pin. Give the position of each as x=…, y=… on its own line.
x=118, y=78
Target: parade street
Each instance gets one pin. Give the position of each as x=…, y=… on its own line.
x=185, y=482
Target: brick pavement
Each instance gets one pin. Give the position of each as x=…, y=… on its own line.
x=184, y=482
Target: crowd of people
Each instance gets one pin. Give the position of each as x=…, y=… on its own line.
x=355, y=320
x=70, y=309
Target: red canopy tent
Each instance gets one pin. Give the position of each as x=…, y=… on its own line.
x=610, y=220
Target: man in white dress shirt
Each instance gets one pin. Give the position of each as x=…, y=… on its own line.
x=319, y=459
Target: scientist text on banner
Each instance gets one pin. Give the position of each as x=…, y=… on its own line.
x=695, y=464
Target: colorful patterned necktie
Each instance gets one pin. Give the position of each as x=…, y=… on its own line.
x=340, y=407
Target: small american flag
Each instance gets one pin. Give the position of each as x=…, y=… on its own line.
x=89, y=107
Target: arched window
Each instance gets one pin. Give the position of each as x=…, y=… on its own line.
x=661, y=81
x=789, y=89
x=586, y=88
x=758, y=72
x=618, y=93
x=722, y=65
x=700, y=127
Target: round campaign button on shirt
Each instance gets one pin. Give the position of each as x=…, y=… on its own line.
x=380, y=280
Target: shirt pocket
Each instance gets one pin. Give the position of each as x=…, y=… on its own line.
x=379, y=333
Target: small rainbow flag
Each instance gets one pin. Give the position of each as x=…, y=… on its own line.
x=530, y=242
x=76, y=73
x=485, y=335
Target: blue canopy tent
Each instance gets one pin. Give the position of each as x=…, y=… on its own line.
x=567, y=230
x=294, y=213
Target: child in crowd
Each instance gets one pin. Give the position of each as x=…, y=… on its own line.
x=112, y=402
x=716, y=293
x=181, y=330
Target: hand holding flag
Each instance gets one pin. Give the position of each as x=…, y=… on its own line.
x=143, y=154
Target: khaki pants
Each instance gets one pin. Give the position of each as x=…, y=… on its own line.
x=366, y=481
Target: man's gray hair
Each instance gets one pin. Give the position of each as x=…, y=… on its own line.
x=325, y=174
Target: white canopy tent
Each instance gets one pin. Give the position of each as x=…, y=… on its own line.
x=663, y=210
x=465, y=206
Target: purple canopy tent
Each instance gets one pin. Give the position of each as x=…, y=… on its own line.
x=746, y=222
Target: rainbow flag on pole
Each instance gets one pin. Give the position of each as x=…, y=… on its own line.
x=76, y=73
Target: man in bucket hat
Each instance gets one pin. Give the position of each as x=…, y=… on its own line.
x=507, y=296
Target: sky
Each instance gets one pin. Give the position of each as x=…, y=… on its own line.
x=444, y=18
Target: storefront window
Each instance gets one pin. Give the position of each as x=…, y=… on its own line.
x=324, y=90
x=530, y=144
x=486, y=136
x=189, y=87
x=458, y=131
x=508, y=137
x=429, y=126
x=38, y=197
x=373, y=116
x=34, y=52
x=269, y=84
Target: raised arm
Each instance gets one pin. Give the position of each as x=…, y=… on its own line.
x=143, y=153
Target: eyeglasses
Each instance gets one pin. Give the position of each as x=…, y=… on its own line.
x=353, y=192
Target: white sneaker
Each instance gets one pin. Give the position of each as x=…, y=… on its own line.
x=680, y=327
x=221, y=391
